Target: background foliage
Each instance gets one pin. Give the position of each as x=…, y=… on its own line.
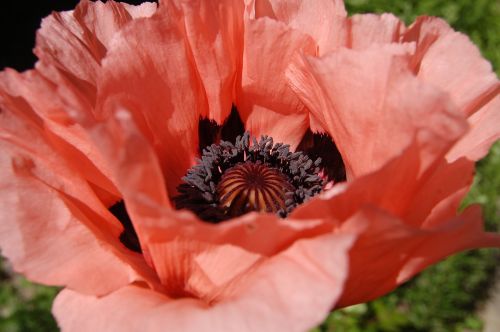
x=443, y=298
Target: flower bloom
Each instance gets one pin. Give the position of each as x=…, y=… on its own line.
x=103, y=190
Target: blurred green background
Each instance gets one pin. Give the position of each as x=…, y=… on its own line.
x=444, y=298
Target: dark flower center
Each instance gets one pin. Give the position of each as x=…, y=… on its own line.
x=128, y=237
x=233, y=179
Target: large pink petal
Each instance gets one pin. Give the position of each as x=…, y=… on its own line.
x=71, y=46
x=149, y=71
x=23, y=134
x=437, y=189
x=76, y=41
x=367, y=29
x=135, y=165
x=265, y=234
x=54, y=229
x=105, y=19
x=283, y=128
x=190, y=268
x=327, y=23
x=376, y=268
x=132, y=160
x=323, y=20
x=414, y=211
x=214, y=31
x=42, y=234
x=405, y=187
x=484, y=131
x=33, y=231
x=265, y=102
x=267, y=300
x=450, y=61
x=61, y=90
x=67, y=136
x=373, y=107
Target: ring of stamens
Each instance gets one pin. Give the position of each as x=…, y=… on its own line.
x=233, y=179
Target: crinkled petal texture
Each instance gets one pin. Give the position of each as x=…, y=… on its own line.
x=112, y=113
x=264, y=300
x=56, y=187
x=409, y=127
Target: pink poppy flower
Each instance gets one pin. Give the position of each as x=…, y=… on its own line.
x=128, y=178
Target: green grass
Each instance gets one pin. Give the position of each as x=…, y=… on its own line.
x=24, y=306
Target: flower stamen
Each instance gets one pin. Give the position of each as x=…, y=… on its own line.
x=233, y=179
